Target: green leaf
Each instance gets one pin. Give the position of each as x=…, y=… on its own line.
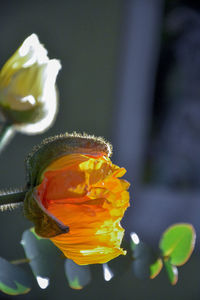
x=141, y=268
x=13, y=280
x=134, y=240
x=107, y=272
x=155, y=268
x=43, y=256
x=77, y=276
x=172, y=272
x=32, y=230
x=121, y=264
x=144, y=257
x=177, y=243
x=143, y=251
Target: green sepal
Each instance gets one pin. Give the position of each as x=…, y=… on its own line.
x=45, y=225
x=55, y=147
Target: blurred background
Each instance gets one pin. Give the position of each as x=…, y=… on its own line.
x=131, y=73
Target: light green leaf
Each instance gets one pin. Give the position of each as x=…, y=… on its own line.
x=13, y=280
x=155, y=268
x=121, y=264
x=177, y=243
x=143, y=251
x=43, y=256
x=134, y=241
x=144, y=257
x=78, y=276
x=141, y=268
x=172, y=272
x=20, y=289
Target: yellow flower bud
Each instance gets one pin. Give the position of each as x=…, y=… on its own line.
x=28, y=97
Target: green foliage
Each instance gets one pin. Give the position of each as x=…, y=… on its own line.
x=13, y=280
x=77, y=276
x=172, y=272
x=121, y=264
x=144, y=257
x=175, y=248
x=155, y=268
x=177, y=243
x=43, y=256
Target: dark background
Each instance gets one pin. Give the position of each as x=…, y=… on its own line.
x=130, y=73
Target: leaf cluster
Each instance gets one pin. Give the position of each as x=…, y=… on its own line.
x=175, y=248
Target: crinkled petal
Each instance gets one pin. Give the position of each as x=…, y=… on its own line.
x=86, y=195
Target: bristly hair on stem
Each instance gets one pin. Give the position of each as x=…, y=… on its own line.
x=11, y=199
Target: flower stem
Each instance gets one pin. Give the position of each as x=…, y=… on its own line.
x=6, y=133
x=20, y=261
x=11, y=199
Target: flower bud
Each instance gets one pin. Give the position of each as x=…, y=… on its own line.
x=28, y=97
x=76, y=198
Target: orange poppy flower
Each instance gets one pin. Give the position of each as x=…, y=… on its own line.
x=82, y=192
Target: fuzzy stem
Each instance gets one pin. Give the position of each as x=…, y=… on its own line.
x=11, y=199
x=6, y=133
